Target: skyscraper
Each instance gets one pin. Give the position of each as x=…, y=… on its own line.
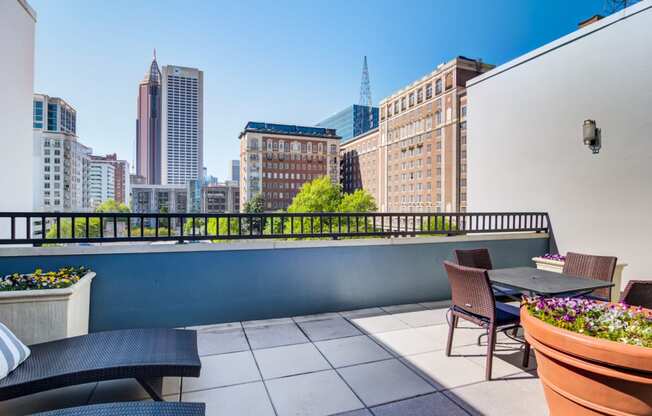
x=235, y=170
x=183, y=124
x=148, y=126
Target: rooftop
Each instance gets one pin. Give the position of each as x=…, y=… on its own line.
x=378, y=361
x=287, y=129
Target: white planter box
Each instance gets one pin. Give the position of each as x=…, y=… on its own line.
x=47, y=314
x=558, y=266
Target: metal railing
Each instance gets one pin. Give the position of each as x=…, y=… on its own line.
x=39, y=228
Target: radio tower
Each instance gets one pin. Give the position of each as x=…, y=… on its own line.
x=365, y=94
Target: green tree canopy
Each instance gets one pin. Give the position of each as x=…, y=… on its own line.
x=255, y=205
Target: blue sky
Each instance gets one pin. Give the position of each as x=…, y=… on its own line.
x=277, y=61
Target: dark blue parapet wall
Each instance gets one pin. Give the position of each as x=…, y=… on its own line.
x=203, y=284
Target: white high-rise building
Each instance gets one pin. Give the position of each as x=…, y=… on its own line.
x=61, y=161
x=182, y=125
x=101, y=181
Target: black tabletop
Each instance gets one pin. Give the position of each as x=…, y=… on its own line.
x=543, y=282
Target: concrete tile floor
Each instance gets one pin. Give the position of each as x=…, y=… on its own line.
x=373, y=362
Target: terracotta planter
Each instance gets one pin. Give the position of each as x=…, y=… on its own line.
x=582, y=375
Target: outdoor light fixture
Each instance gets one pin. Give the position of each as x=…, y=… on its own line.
x=591, y=136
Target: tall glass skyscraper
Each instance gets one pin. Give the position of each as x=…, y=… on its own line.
x=183, y=124
x=352, y=121
x=148, y=126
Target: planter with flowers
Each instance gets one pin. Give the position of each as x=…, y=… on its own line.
x=594, y=358
x=40, y=307
x=555, y=263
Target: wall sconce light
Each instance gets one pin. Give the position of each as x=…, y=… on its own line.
x=592, y=136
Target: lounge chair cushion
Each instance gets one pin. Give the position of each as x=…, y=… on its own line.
x=12, y=351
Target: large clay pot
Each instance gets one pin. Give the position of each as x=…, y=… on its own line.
x=582, y=375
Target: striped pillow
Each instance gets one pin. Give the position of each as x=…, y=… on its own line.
x=12, y=351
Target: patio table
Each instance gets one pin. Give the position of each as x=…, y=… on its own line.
x=542, y=282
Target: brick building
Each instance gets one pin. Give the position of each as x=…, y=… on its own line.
x=360, y=163
x=276, y=159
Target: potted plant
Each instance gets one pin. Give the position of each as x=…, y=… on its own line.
x=555, y=263
x=594, y=358
x=40, y=307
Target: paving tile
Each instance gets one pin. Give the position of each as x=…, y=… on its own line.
x=506, y=361
x=436, y=304
x=445, y=372
x=435, y=404
x=462, y=335
x=266, y=322
x=362, y=313
x=406, y=342
x=409, y=307
x=49, y=400
x=423, y=318
x=129, y=389
x=290, y=360
x=243, y=400
x=315, y=317
x=359, y=412
x=351, y=350
x=223, y=370
x=331, y=328
x=275, y=335
x=500, y=397
x=384, y=381
x=314, y=394
x=221, y=339
x=214, y=327
x=379, y=323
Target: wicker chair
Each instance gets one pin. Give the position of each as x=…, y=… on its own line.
x=480, y=258
x=638, y=293
x=592, y=267
x=473, y=301
x=132, y=409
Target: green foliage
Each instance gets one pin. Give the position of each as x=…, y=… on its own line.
x=64, y=277
x=255, y=205
x=358, y=201
x=65, y=228
x=434, y=223
x=111, y=205
x=319, y=195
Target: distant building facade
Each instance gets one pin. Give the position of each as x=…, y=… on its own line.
x=276, y=159
x=121, y=182
x=234, y=170
x=101, y=181
x=352, y=121
x=61, y=161
x=360, y=163
x=182, y=125
x=148, y=198
x=148, y=126
x=422, y=149
x=221, y=197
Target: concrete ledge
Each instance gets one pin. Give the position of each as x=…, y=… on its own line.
x=132, y=248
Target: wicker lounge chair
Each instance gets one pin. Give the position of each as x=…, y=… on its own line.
x=146, y=355
x=132, y=409
x=592, y=267
x=638, y=293
x=473, y=301
x=479, y=258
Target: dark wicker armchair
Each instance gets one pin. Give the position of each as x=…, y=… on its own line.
x=592, y=267
x=480, y=258
x=473, y=301
x=638, y=293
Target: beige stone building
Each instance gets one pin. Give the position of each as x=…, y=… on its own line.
x=420, y=145
x=277, y=159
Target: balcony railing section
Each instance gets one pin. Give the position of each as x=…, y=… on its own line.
x=39, y=228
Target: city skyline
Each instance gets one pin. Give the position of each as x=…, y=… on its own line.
x=237, y=91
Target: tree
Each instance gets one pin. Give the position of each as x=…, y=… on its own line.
x=255, y=205
x=321, y=195
x=65, y=224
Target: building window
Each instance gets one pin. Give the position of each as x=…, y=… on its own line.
x=428, y=91
x=437, y=118
x=449, y=80
x=419, y=95
x=396, y=108
x=463, y=110
x=411, y=99
x=438, y=87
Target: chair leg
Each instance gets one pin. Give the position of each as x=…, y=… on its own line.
x=451, y=328
x=491, y=342
x=526, y=354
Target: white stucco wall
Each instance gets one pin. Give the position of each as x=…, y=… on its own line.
x=525, y=149
x=17, y=23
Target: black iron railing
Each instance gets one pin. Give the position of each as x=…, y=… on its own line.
x=46, y=227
